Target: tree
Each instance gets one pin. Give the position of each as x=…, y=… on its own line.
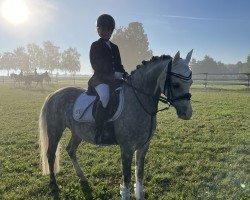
x=21, y=60
x=247, y=68
x=207, y=65
x=193, y=64
x=36, y=56
x=133, y=44
x=70, y=60
x=7, y=61
x=51, y=56
x=242, y=70
x=222, y=67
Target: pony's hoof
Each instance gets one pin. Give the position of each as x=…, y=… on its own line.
x=53, y=185
x=84, y=183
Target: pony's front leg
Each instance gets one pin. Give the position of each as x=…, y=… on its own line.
x=36, y=84
x=139, y=172
x=126, y=156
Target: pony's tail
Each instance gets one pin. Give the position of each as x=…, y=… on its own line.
x=44, y=140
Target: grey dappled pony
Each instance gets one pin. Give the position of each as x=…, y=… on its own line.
x=135, y=126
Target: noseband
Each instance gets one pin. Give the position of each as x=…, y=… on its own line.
x=168, y=85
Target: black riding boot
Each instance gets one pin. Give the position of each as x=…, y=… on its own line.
x=99, y=122
x=104, y=131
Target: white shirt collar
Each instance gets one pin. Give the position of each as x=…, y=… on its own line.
x=108, y=43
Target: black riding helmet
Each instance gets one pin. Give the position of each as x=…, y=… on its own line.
x=105, y=21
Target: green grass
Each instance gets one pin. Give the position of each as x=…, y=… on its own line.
x=207, y=157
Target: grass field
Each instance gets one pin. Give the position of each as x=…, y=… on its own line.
x=207, y=157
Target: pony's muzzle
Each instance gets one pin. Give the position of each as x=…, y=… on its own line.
x=185, y=112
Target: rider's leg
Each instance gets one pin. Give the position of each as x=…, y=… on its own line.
x=103, y=92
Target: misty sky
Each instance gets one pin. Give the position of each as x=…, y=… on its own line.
x=218, y=28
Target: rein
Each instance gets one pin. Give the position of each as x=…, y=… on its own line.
x=161, y=98
x=152, y=114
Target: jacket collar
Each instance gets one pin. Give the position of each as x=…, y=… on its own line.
x=105, y=44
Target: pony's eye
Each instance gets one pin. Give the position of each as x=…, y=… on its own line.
x=176, y=85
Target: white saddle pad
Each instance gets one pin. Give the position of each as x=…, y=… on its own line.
x=82, y=111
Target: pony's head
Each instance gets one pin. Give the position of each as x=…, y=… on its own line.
x=175, y=83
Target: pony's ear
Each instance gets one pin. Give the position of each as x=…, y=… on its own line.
x=188, y=57
x=176, y=57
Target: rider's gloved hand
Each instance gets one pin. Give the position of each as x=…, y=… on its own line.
x=118, y=75
x=125, y=75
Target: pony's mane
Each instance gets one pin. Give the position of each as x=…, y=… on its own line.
x=153, y=59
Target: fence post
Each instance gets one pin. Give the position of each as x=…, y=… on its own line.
x=248, y=81
x=205, y=80
x=74, y=79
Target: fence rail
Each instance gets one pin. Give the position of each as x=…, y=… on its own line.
x=55, y=79
x=205, y=79
x=223, y=79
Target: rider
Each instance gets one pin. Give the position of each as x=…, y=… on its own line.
x=35, y=72
x=21, y=73
x=105, y=60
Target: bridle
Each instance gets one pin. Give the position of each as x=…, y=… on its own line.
x=167, y=87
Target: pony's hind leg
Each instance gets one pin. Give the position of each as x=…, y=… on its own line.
x=53, y=159
x=71, y=149
x=139, y=172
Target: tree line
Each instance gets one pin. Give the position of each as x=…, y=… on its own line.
x=134, y=48
x=48, y=57
x=210, y=66
x=132, y=41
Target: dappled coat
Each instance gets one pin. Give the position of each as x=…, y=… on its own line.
x=105, y=61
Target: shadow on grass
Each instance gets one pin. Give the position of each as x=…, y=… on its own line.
x=46, y=88
x=36, y=90
x=55, y=192
x=85, y=187
x=86, y=190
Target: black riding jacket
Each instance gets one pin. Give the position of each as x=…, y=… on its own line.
x=105, y=61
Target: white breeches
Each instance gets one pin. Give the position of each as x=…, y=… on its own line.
x=103, y=92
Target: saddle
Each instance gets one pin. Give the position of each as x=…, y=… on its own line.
x=85, y=105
